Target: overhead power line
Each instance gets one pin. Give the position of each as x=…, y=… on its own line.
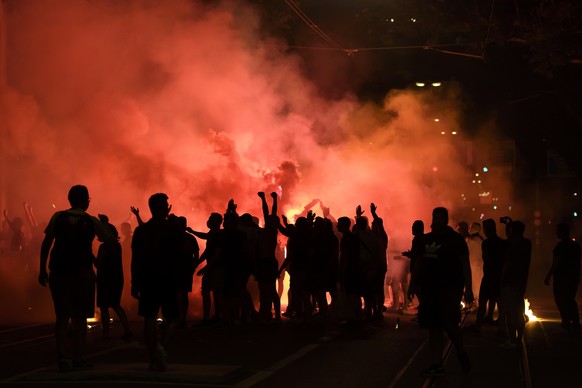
x=338, y=47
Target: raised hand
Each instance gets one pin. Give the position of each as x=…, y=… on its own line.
x=310, y=215
x=261, y=194
x=359, y=211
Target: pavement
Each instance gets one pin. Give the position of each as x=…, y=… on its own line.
x=283, y=355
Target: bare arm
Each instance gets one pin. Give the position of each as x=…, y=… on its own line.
x=30, y=215
x=373, y=208
x=264, y=205
x=201, y=235
x=275, y=206
x=44, y=254
x=135, y=211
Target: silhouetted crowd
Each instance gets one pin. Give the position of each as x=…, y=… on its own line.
x=337, y=271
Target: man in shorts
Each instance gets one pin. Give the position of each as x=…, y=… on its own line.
x=444, y=273
x=154, y=262
x=71, y=279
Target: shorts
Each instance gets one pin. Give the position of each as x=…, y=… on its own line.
x=439, y=309
x=213, y=280
x=154, y=299
x=73, y=293
x=266, y=269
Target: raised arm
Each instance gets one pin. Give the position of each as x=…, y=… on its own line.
x=373, y=208
x=201, y=235
x=32, y=222
x=264, y=205
x=275, y=205
x=135, y=211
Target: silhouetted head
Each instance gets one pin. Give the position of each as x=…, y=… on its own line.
x=362, y=223
x=126, y=229
x=516, y=229
x=328, y=225
x=302, y=224
x=182, y=223
x=440, y=219
x=247, y=219
x=563, y=230
x=417, y=228
x=159, y=206
x=214, y=221
x=79, y=197
x=112, y=230
x=230, y=221
x=463, y=228
x=344, y=224
x=489, y=227
x=319, y=225
x=475, y=228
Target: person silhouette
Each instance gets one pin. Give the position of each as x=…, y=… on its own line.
x=266, y=267
x=213, y=272
x=475, y=256
x=188, y=260
x=153, y=277
x=110, y=280
x=514, y=277
x=71, y=279
x=493, y=253
x=565, y=270
x=415, y=255
x=445, y=275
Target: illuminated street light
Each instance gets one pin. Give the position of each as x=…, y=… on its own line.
x=420, y=84
x=436, y=84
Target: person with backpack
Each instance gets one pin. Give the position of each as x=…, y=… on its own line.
x=71, y=278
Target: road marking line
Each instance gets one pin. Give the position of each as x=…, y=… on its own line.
x=24, y=374
x=407, y=365
x=261, y=375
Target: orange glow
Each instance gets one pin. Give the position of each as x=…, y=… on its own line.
x=529, y=312
x=133, y=98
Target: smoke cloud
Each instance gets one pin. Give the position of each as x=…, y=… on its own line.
x=136, y=97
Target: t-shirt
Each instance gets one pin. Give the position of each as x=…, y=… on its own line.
x=73, y=231
x=516, y=265
x=566, y=264
x=441, y=264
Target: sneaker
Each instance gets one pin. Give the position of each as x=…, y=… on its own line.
x=464, y=361
x=433, y=371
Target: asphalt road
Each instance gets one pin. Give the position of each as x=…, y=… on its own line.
x=292, y=354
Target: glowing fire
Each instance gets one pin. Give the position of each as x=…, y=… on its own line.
x=529, y=312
